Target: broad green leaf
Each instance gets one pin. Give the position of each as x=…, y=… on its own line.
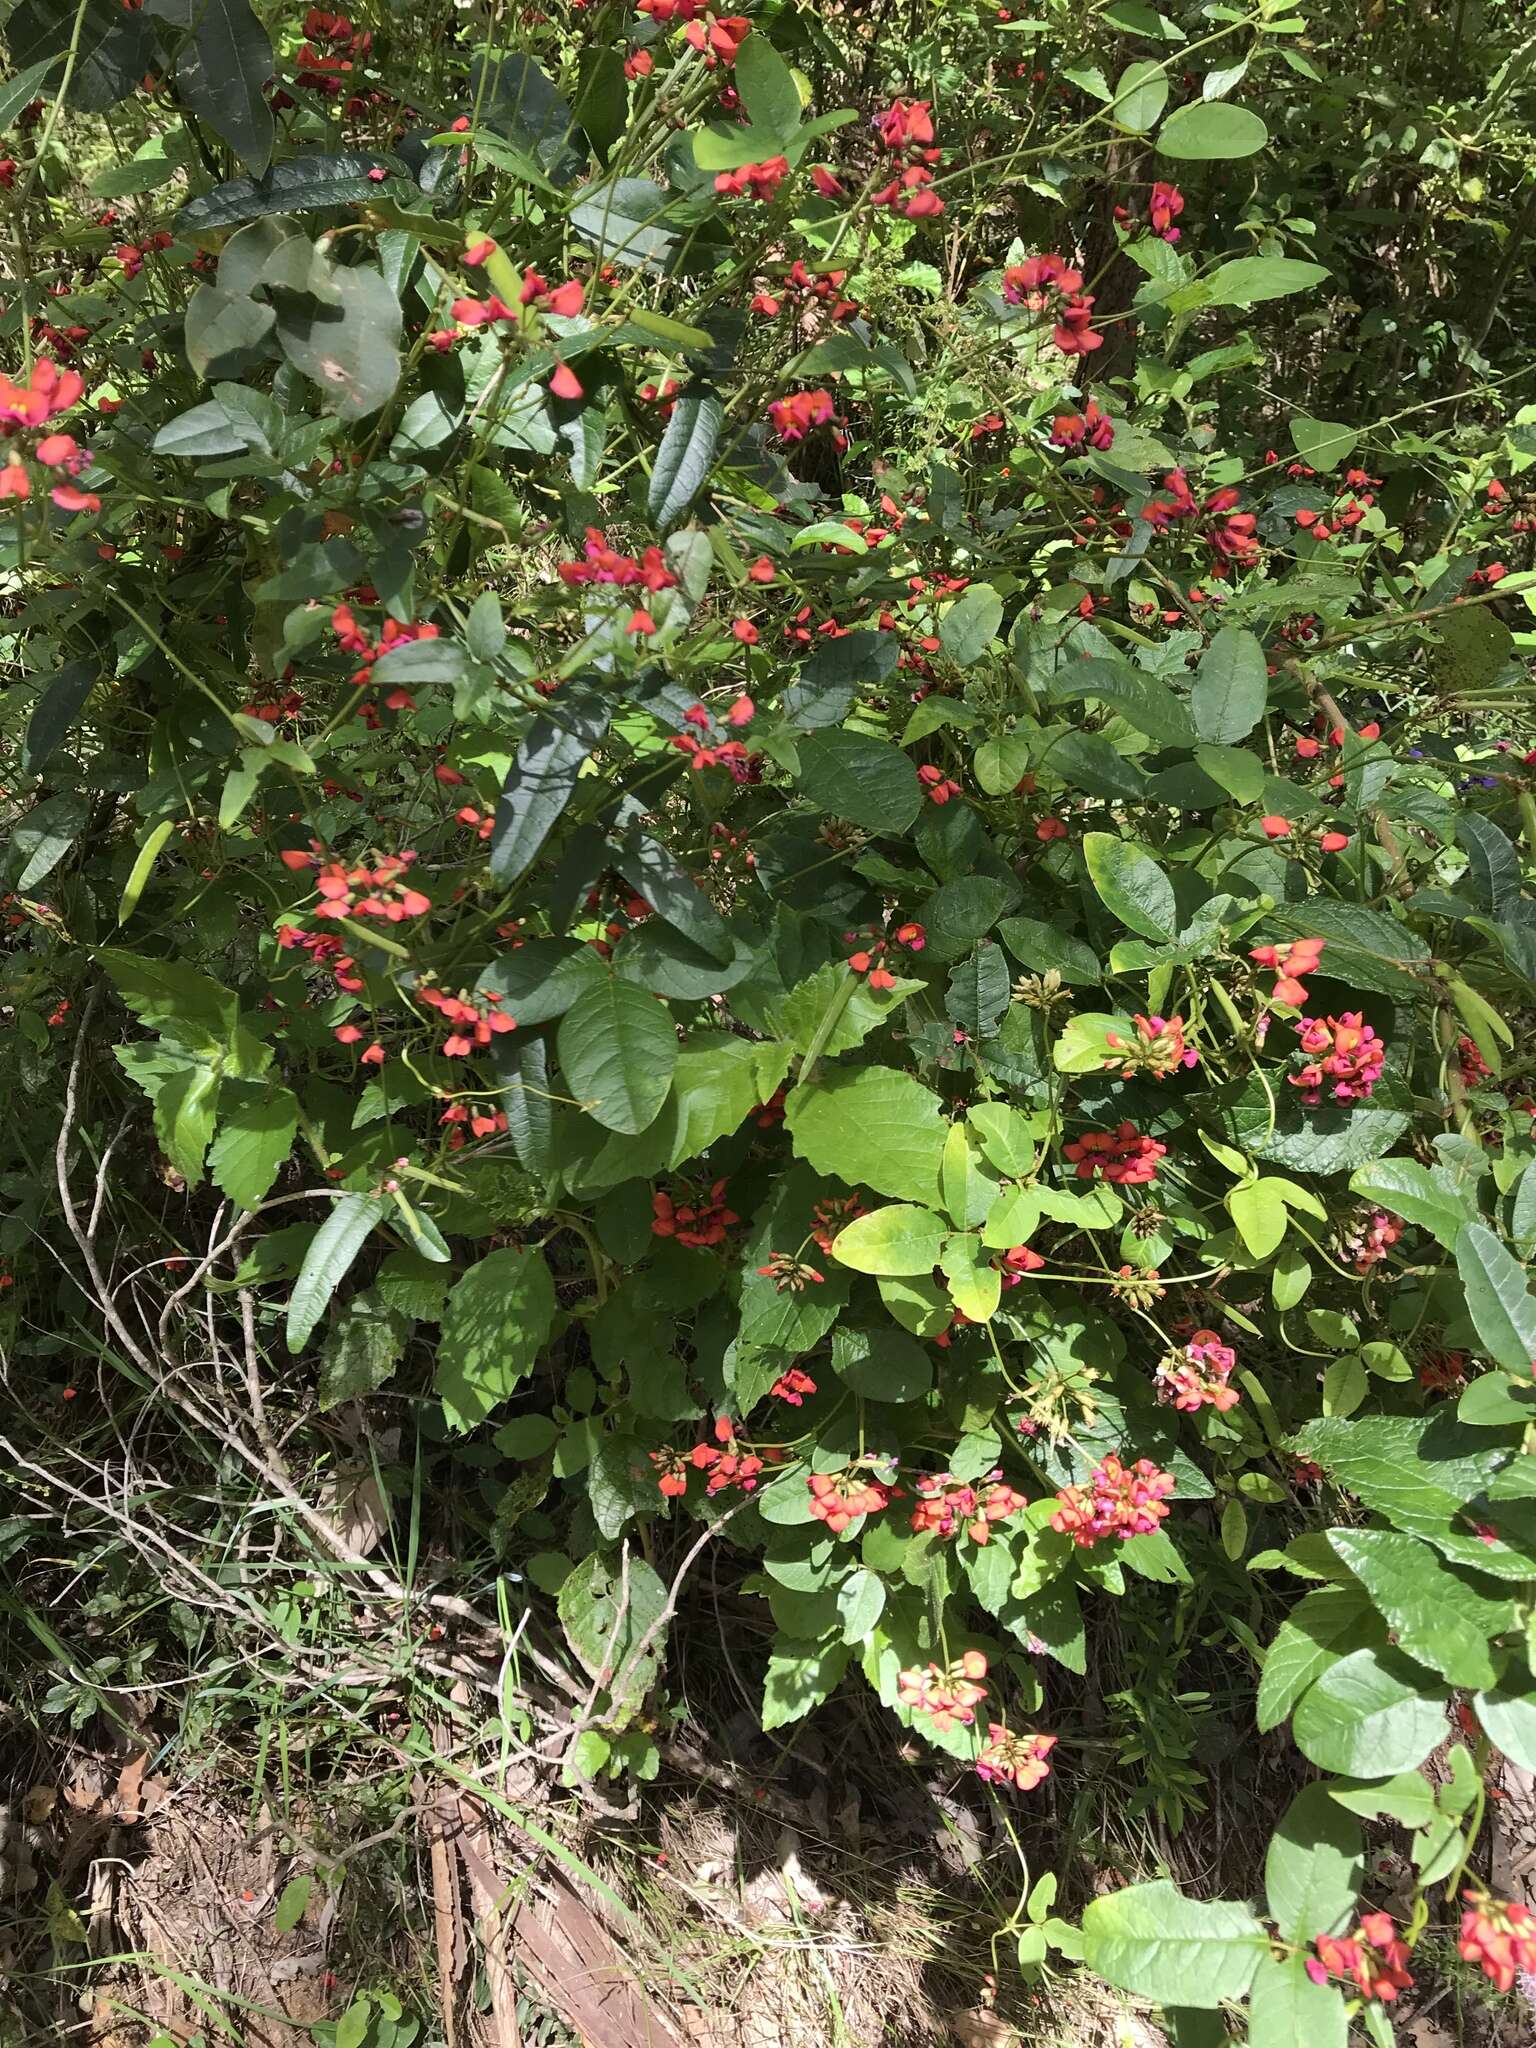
x=608, y=1613
x=252, y=1144
x=618, y=1051
x=1286, y=2009
x=186, y=1104
x=1142, y=700
x=222, y=72
x=1498, y=1300
x=1235, y=770
x=860, y=1603
x=1007, y=1137
x=876, y=1127
x=1419, y=1194
x=1141, y=93
x=1211, y=131
x=1231, y=687
x=312, y=183
x=1259, y=1211
x=45, y=835
x=64, y=696
x=542, y=780
x=687, y=449
x=1436, y=1615
x=1508, y=1715
x=1152, y=1940
x=1369, y=1715
x=1131, y=885
x=883, y=1364
x=800, y=1676
x=621, y=219
x=675, y=896
x=1325, y=1626
x=1323, y=444
x=291, y=1902
x=19, y=92
x=901, y=1239
x=1313, y=1869
x=363, y=1345
x=978, y=991
x=975, y=1284
x=1000, y=765
x=1344, y=1386
x=329, y=1259
x=339, y=326
x=867, y=781
x=971, y=624
x=1252, y=280
x=496, y=1322
x=768, y=90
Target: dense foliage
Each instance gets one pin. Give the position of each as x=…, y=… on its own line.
x=773, y=771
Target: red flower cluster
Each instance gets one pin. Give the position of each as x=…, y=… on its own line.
x=703, y=1220
x=1048, y=282
x=1344, y=1057
x=1443, y=1372
x=1016, y=1760
x=950, y=1506
x=330, y=48
x=1368, y=1243
x=1117, y=1501
x=754, y=181
x=476, y=1019
x=602, y=564
x=1089, y=427
x=831, y=1216
x=1197, y=1376
x=947, y=1693
x=483, y=1123
x=936, y=785
x=825, y=290
x=1470, y=1063
x=1164, y=206
x=839, y=1498
x=717, y=38
x=1123, y=1155
x=131, y=254
x=26, y=407
x=792, y=1387
x=1230, y=534
x=794, y=417
x=381, y=891
x=324, y=950
x=906, y=129
x=1373, y=1956
x=355, y=641
x=1347, y=513
x=1017, y=1263
x=912, y=936
x=565, y=299
x=1159, y=1049
x=1499, y=1935
x=1289, y=964
x=725, y=1464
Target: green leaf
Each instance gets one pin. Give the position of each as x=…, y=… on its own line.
x=496, y=1323
x=252, y=1144
x=221, y=73
x=329, y=1259
x=876, y=1126
x=313, y=183
x=883, y=1364
x=1251, y=280
x=1235, y=770
x=618, y=1051
x=900, y=1240
x=1509, y=1718
x=1498, y=1300
x=1370, y=1715
x=1131, y=885
x=621, y=220
x=867, y=781
x=291, y=1902
x=1418, y=1194
x=1259, y=1211
x=185, y=1106
x=1325, y=1626
x=800, y=1676
x=45, y=835
x=768, y=90
x=1231, y=687
x=18, y=93
x=964, y=911
x=1285, y=2008
x=1322, y=444
x=542, y=780
x=1142, y=700
x=1152, y=1940
x=1211, y=131
x=971, y=624
x=1344, y=1386
x=1141, y=93
x=64, y=696
x=1435, y=1614
x=339, y=326
x=860, y=1604
x=363, y=1345
x=1493, y=866
x=1313, y=1869
x=675, y=896
x=602, y=104
x=686, y=452
x=978, y=991
x=607, y=1614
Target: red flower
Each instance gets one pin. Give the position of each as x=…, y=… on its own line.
x=1123, y=1156
x=1117, y=1501
x=1016, y=1760
x=794, y=417
x=839, y=1498
x=947, y=1693
x=792, y=1387
x=1163, y=209
x=1160, y=1049
x=1499, y=1935
x=1372, y=1956
x=701, y=1220
x=950, y=1507
x=904, y=123
x=757, y=181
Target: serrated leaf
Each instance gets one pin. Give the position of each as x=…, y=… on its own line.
x=365, y=1342
x=252, y=1144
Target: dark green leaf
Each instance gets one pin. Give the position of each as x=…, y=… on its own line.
x=1498, y=1300
x=867, y=781
x=684, y=457
x=542, y=780
x=328, y=1261
x=314, y=183
x=618, y=1050
x=1231, y=686
x=496, y=1323
x=64, y=697
x=222, y=72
